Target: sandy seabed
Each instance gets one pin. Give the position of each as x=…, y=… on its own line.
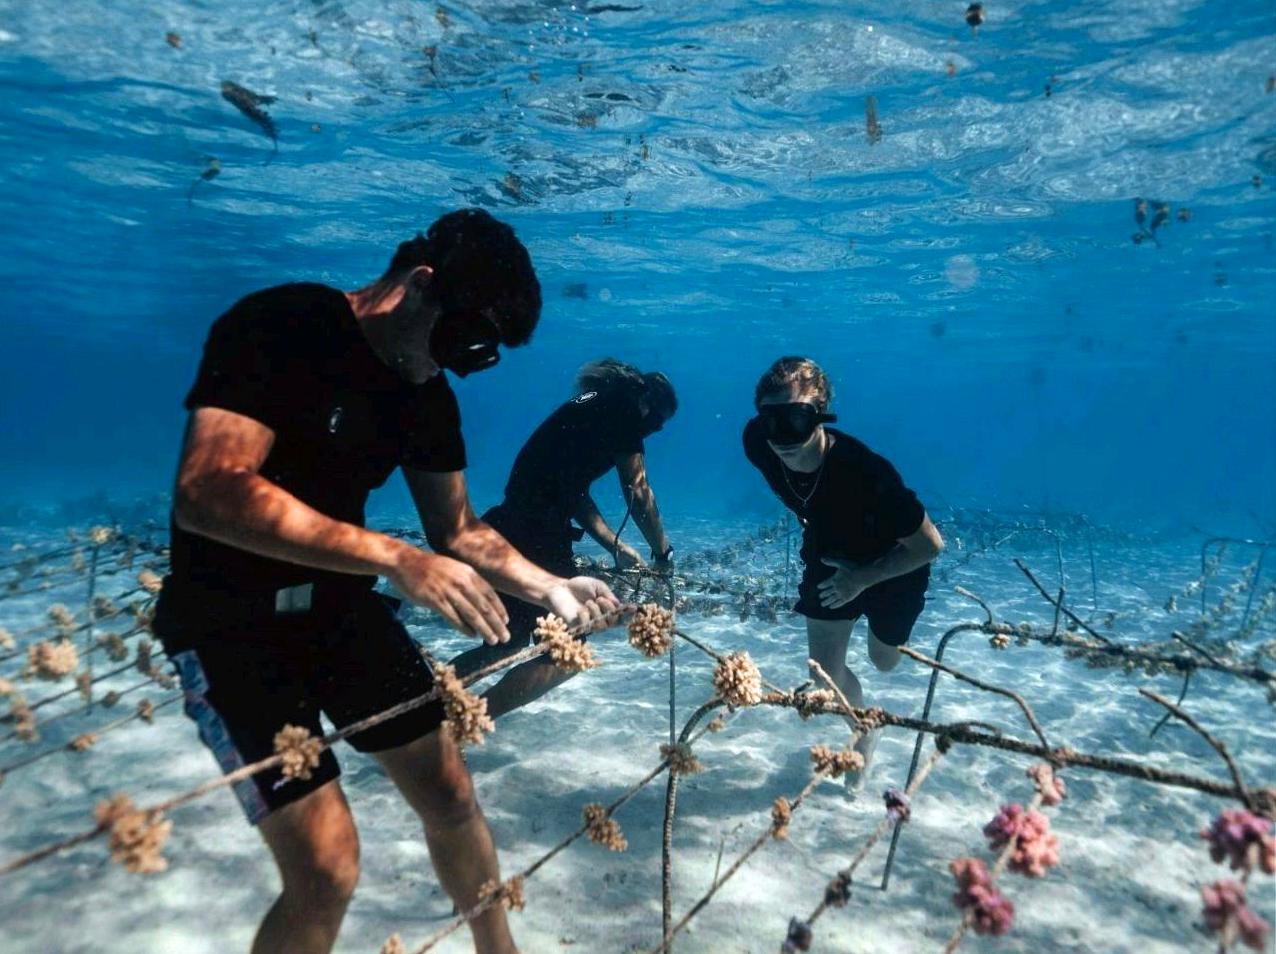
x=1129, y=878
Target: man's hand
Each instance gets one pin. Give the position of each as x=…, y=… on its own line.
x=582, y=602
x=843, y=586
x=627, y=558
x=453, y=590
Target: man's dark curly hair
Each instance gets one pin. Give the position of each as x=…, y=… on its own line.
x=479, y=265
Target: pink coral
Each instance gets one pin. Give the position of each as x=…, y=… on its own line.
x=1227, y=915
x=990, y=911
x=1036, y=851
x=1051, y=787
x=1243, y=839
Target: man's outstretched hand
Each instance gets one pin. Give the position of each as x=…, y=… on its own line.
x=584, y=602
x=455, y=591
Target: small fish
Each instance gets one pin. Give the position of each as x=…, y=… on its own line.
x=1140, y=211
x=950, y=68
x=1185, y=215
x=975, y=15
x=211, y=172
x=1160, y=214
x=1271, y=84
x=871, y=125
x=250, y=103
x=441, y=16
x=174, y=40
x=1257, y=181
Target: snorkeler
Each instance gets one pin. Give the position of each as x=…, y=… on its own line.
x=615, y=409
x=867, y=543
x=306, y=399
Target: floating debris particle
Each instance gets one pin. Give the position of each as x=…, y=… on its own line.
x=313, y=37
x=950, y=68
x=173, y=39
x=1257, y=181
x=316, y=128
x=533, y=77
x=442, y=17
x=871, y=125
x=1184, y=215
x=1271, y=84
x=576, y=290
x=975, y=15
x=250, y=103
x=938, y=329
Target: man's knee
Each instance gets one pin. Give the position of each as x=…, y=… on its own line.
x=885, y=657
x=327, y=870
x=448, y=799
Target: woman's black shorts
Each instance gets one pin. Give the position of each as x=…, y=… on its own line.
x=892, y=606
x=245, y=683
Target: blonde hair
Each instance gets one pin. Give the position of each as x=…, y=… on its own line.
x=792, y=370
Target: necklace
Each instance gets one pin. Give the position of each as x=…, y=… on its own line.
x=819, y=472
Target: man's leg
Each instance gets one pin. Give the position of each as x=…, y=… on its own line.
x=436, y=783
x=885, y=656
x=317, y=849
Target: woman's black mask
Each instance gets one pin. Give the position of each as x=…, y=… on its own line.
x=786, y=424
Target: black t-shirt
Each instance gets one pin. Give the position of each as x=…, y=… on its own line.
x=571, y=449
x=295, y=359
x=858, y=506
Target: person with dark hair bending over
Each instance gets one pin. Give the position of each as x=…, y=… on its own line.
x=867, y=543
x=308, y=398
x=615, y=409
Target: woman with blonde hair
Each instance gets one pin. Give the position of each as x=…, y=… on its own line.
x=867, y=542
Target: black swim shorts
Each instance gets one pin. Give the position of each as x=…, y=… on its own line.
x=243, y=685
x=892, y=606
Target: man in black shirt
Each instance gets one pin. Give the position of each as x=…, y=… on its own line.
x=615, y=409
x=867, y=543
x=306, y=399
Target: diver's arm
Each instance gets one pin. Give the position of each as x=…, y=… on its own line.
x=910, y=552
x=632, y=469
x=220, y=495
x=592, y=521
x=451, y=526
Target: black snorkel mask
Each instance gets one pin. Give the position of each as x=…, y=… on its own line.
x=789, y=424
x=465, y=342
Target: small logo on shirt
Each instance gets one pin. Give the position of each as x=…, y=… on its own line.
x=335, y=420
x=587, y=396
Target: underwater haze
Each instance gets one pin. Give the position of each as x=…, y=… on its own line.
x=700, y=193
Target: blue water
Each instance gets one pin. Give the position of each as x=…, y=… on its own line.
x=699, y=194
x=704, y=172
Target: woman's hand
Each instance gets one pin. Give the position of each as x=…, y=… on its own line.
x=844, y=585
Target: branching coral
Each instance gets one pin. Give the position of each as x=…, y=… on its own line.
x=1243, y=840
x=682, y=761
x=781, y=815
x=150, y=581
x=467, y=718
x=738, y=681
x=651, y=630
x=394, y=945
x=62, y=618
x=137, y=837
x=565, y=650
x=602, y=829
x=833, y=762
x=1036, y=850
x=510, y=893
x=1051, y=788
x=990, y=911
x=1226, y=914
x=52, y=660
x=300, y=751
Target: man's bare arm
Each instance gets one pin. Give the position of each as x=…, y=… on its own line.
x=916, y=550
x=632, y=470
x=595, y=524
x=221, y=495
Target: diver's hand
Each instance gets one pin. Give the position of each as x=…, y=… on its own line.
x=628, y=558
x=582, y=602
x=454, y=591
x=843, y=586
